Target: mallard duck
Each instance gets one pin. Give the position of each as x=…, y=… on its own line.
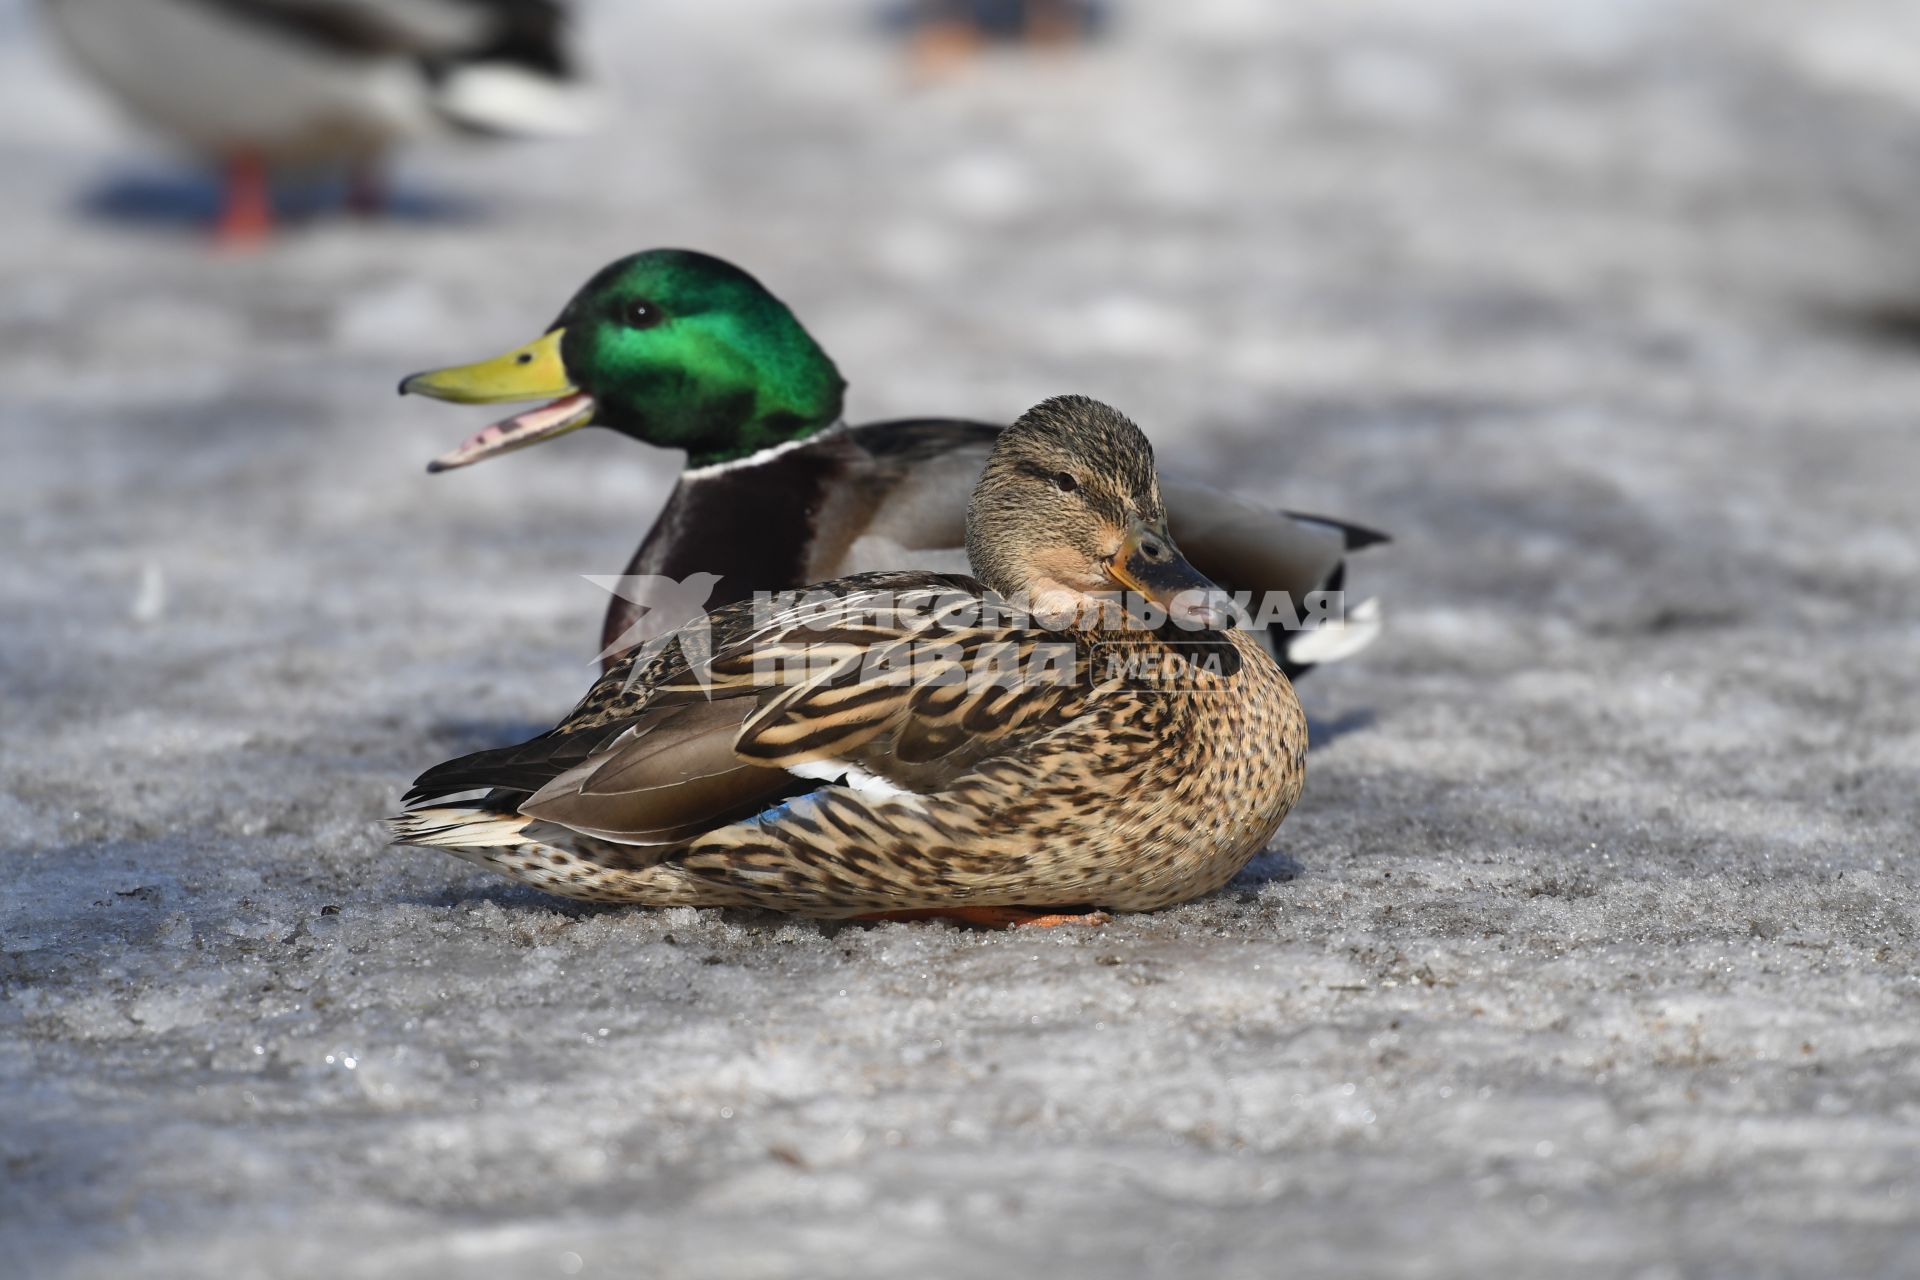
x=262, y=84
x=1017, y=746
x=689, y=352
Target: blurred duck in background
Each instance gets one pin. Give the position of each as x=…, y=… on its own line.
x=262, y=86
x=687, y=351
x=946, y=33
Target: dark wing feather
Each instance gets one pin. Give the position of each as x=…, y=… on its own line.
x=665, y=744
x=670, y=777
x=360, y=27
x=526, y=766
x=524, y=31
x=873, y=670
x=910, y=440
x=1358, y=536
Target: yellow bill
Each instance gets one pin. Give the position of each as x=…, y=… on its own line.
x=533, y=372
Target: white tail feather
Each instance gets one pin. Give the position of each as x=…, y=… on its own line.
x=516, y=101
x=460, y=828
x=1337, y=640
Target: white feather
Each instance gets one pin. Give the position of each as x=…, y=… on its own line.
x=1337, y=640
x=831, y=770
x=455, y=828
x=509, y=99
x=767, y=454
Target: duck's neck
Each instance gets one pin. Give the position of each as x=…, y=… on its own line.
x=707, y=464
x=751, y=522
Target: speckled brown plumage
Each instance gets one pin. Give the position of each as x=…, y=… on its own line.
x=1129, y=770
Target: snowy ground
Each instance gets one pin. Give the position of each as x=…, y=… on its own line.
x=1590, y=951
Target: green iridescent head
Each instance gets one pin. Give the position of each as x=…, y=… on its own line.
x=672, y=347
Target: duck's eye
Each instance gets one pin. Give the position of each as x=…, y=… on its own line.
x=643, y=315
x=1064, y=482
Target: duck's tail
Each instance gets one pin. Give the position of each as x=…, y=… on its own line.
x=499, y=99
x=522, y=81
x=521, y=847
x=460, y=827
x=1301, y=651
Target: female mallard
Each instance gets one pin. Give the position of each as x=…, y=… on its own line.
x=261, y=83
x=914, y=742
x=689, y=352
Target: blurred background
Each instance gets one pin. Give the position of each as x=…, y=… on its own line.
x=1609, y=310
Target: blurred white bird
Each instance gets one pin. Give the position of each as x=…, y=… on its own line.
x=263, y=84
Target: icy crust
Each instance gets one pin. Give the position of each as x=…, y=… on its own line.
x=1590, y=950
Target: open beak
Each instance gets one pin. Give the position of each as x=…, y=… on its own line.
x=1149, y=565
x=532, y=372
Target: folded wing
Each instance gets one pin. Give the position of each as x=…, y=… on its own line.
x=889, y=676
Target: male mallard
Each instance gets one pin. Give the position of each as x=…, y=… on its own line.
x=686, y=351
x=260, y=83
x=914, y=742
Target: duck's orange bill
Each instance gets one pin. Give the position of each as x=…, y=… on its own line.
x=1149, y=565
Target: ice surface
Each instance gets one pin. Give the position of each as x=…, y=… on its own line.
x=1591, y=949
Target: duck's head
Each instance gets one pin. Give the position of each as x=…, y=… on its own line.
x=669, y=346
x=1068, y=516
